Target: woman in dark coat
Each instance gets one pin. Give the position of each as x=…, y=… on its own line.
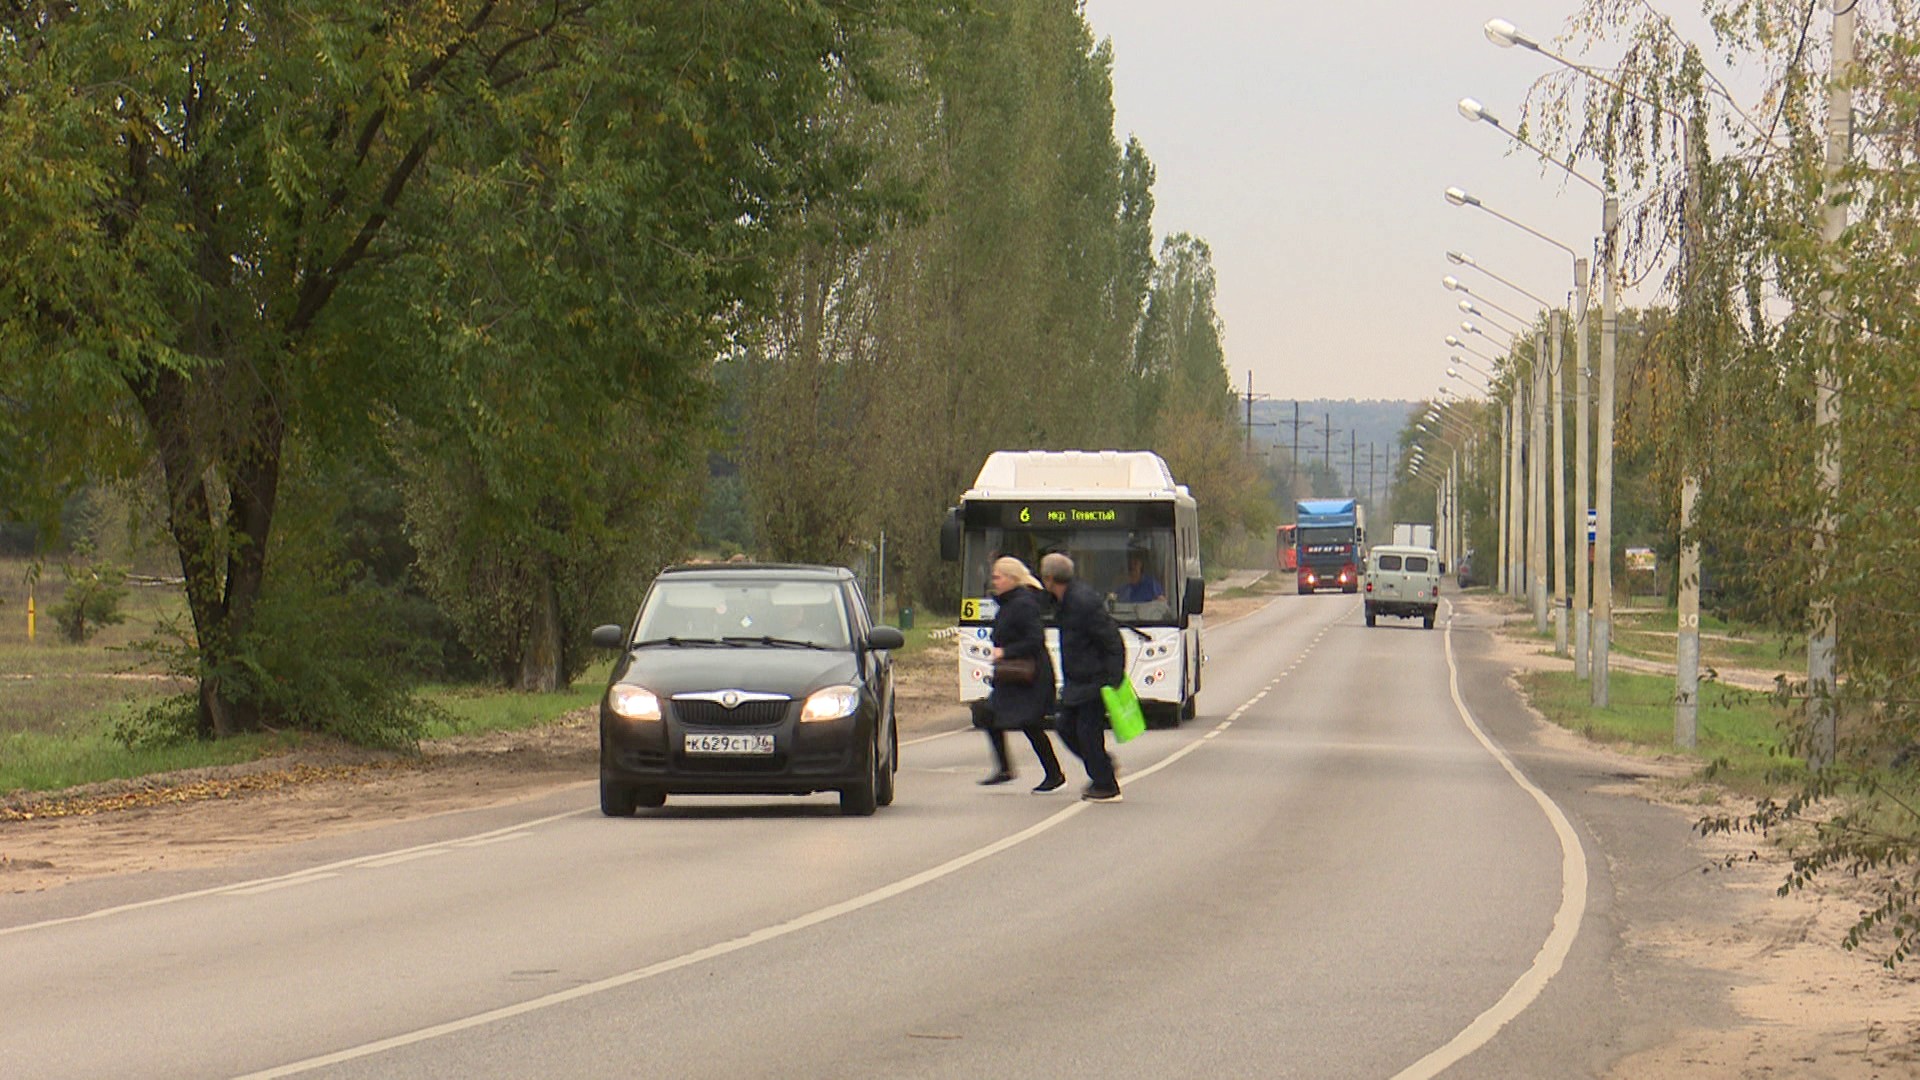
x=1019, y=634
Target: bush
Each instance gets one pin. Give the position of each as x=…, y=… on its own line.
x=92, y=601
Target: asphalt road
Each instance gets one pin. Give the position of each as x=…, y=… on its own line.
x=1357, y=862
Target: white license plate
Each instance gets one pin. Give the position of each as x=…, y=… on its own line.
x=729, y=744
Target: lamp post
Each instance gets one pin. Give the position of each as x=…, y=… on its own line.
x=1454, y=342
x=1543, y=368
x=1461, y=258
x=1471, y=308
x=1456, y=373
x=1687, y=641
x=1454, y=433
x=1583, y=563
x=1468, y=326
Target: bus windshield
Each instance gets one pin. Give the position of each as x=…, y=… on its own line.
x=1134, y=569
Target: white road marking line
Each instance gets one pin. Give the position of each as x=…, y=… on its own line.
x=745, y=941
x=342, y=864
x=929, y=738
x=405, y=856
x=1566, y=921
x=483, y=841
x=281, y=884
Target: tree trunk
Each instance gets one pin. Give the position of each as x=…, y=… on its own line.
x=221, y=603
x=542, y=656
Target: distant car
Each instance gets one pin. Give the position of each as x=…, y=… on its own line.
x=749, y=679
x=1402, y=581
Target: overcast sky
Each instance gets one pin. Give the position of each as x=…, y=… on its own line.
x=1309, y=144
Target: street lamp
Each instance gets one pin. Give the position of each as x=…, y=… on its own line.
x=1472, y=308
x=1461, y=258
x=1455, y=373
x=1687, y=640
x=1454, y=342
x=1470, y=327
x=1543, y=368
x=1475, y=112
x=1583, y=568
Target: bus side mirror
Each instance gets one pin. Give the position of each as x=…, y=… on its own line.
x=950, y=535
x=1194, y=600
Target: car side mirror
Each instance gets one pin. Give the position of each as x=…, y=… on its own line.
x=610, y=637
x=1194, y=598
x=950, y=535
x=885, y=637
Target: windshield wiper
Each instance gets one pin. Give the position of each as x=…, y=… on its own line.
x=676, y=642
x=791, y=643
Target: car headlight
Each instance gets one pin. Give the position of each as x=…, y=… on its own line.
x=631, y=702
x=830, y=703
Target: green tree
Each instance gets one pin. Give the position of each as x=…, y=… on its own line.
x=997, y=309
x=1766, y=314
x=1187, y=402
x=91, y=602
x=233, y=229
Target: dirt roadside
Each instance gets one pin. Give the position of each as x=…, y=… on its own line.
x=1809, y=1009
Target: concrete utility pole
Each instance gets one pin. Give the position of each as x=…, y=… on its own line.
x=1293, y=466
x=1603, y=453
x=1558, y=509
x=1505, y=35
x=1582, y=501
x=1823, y=640
x=1517, y=527
x=1506, y=474
x=1250, y=400
x=1353, y=463
x=1686, y=642
x=1537, y=479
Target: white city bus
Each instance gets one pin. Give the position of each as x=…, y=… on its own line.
x=1133, y=534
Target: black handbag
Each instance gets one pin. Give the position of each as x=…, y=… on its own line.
x=1014, y=671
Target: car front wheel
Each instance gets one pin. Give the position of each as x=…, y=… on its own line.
x=886, y=778
x=861, y=799
x=616, y=799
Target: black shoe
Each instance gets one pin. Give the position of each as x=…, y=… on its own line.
x=1051, y=783
x=1096, y=795
x=1001, y=777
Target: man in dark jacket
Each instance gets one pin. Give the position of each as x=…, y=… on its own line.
x=1091, y=656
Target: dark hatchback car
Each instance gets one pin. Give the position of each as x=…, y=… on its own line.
x=749, y=679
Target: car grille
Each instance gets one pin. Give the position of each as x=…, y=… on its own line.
x=745, y=714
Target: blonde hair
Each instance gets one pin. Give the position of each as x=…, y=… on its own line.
x=1017, y=570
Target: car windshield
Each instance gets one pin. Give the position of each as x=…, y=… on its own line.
x=789, y=612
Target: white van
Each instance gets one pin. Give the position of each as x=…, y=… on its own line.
x=1403, y=581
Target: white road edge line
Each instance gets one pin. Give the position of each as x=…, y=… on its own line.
x=283, y=883
x=310, y=871
x=745, y=941
x=1566, y=922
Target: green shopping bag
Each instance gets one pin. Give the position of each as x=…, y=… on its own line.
x=1123, y=710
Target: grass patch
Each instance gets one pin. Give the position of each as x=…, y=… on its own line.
x=1649, y=634
x=58, y=705
x=38, y=761
x=468, y=710
x=922, y=636
x=1739, y=730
